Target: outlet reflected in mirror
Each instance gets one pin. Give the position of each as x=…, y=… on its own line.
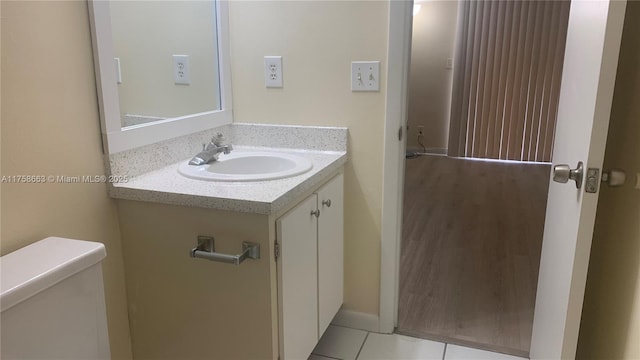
x=168, y=59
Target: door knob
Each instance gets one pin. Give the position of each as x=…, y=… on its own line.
x=563, y=173
x=614, y=177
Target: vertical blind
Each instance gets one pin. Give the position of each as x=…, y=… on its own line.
x=506, y=82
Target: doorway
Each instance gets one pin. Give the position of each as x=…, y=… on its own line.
x=592, y=48
x=482, y=104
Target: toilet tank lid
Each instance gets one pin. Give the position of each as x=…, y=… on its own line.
x=36, y=267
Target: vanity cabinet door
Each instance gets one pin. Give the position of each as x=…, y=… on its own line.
x=330, y=251
x=298, y=280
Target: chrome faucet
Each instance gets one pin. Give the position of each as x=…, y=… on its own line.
x=211, y=151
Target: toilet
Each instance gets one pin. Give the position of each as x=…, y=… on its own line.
x=52, y=301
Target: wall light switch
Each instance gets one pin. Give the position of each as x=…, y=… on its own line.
x=273, y=71
x=365, y=76
x=181, y=73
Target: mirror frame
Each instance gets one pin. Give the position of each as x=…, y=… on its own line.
x=115, y=138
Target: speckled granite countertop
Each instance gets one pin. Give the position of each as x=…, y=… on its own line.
x=167, y=186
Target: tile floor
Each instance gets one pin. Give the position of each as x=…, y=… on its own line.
x=349, y=344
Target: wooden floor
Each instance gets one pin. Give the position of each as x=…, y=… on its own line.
x=472, y=234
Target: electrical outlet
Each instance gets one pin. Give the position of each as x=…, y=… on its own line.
x=181, y=72
x=449, y=64
x=273, y=71
x=420, y=130
x=365, y=76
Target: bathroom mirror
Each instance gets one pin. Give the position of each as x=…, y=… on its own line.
x=162, y=69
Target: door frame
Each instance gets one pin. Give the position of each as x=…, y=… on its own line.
x=400, y=27
x=398, y=61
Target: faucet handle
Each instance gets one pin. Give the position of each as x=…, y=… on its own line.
x=218, y=139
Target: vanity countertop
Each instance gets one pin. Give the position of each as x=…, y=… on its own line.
x=167, y=186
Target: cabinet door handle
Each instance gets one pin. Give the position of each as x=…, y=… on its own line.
x=316, y=213
x=326, y=203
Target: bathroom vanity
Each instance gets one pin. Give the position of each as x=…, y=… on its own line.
x=175, y=218
x=277, y=306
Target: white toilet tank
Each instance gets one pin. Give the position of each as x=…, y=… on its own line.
x=53, y=301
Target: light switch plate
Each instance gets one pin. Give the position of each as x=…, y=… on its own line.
x=365, y=76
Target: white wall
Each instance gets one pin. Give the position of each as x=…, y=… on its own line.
x=50, y=126
x=430, y=82
x=146, y=35
x=318, y=40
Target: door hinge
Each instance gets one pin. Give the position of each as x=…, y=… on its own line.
x=400, y=133
x=276, y=250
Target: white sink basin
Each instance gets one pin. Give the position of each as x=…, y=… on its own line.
x=248, y=166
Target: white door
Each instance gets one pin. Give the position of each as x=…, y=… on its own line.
x=330, y=251
x=591, y=59
x=297, y=280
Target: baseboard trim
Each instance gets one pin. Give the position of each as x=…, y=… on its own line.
x=430, y=151
x=357, y=320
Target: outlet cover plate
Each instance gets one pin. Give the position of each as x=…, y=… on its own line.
x=273, y=71
x=365, y=76
x=118, y=71
x=181, y=72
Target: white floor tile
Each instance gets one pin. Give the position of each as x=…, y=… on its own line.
x=318, y=357
x=455, y=352
x=340, y=343
x=398, y=347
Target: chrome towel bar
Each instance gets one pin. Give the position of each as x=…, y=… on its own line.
x=206, y=249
